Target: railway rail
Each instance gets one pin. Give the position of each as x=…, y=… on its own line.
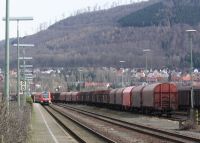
x=98, y=137
x=158, y=133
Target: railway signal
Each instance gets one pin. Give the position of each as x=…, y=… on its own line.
x=23, y=85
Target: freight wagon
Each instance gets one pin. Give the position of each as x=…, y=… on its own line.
x=184, y=101
x=127, y=98
x=159, y=97
x=55, y=96
x=136, y=98
x=116, y=97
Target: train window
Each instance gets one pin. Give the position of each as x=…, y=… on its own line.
x=46, y=95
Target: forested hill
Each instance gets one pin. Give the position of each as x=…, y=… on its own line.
x=164, y=13
x=104, y=37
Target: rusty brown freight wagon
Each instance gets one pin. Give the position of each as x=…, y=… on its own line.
x=62, y=97
x=127, y=95
x=74, y=97
x=119, y=95
x=102, y=97
x=68, y=97
x=161, y=97
x=136, y=99
x=112, y=97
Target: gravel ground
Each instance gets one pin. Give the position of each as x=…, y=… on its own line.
x=156, y=122
x=116, y=133
x=85, y=135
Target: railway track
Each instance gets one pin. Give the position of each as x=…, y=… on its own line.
x=179, y=116
x=175, y=116
x=161, y=134
x=85, y=134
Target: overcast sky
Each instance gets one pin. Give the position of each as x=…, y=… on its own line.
x=46, y=11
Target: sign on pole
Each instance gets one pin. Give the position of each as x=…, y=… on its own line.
x=23, y=85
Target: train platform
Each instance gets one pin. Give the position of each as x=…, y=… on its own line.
x=44, y=129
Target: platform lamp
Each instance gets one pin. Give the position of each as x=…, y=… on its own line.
x=190, y=31
x=17, y=19
x=121, y=62
x=145, y=51
x=7, y=60
x=80, y=70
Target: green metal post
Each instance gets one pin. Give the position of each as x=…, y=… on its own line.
x=192, y=113
x=18, y=73
x=7, y=54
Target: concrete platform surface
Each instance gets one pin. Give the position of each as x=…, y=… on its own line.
x=44, y=129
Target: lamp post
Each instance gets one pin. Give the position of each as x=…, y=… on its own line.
x=190, y=31
x=121, y=62
x=80, y=79
x=145, y=51
x=7, y=54
x=23, y=66
x=17, y=19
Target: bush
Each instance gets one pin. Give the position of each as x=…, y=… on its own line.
x=29, y=100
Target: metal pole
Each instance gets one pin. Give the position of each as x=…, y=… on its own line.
x=192, y=114
x=146, y=62
x=18, y=74
x=80, y=79
x=145, y=51
x=122, y=73
x=7, y=53
x=191, y=71
x=122, y=78
x=24, y=92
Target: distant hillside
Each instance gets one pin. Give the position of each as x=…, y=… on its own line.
x=103, y=38
x=164, y=13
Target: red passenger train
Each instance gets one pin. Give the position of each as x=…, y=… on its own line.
x=160, y=98
x=43, y=98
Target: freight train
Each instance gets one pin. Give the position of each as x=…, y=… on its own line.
x=158, y=98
